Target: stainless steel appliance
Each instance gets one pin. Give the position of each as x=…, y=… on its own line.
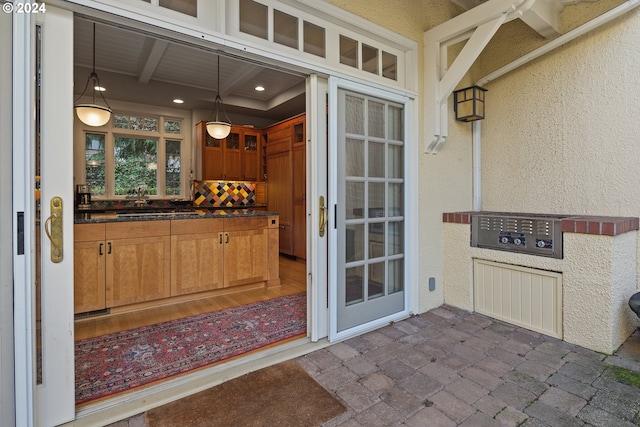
x=531, y=234
x=83, y=196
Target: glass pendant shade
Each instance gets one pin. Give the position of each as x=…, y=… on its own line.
x=92, y=114
x=218, y=130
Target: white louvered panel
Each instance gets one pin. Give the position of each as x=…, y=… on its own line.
x=522, y=296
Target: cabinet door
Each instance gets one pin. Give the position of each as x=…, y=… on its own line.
x=299, y=202
x=245, y=257
x=232, y=157
x=88, y=276
x=212, y=158
x=196, y=263
x=250, y=159
x=279, y=196
x=137, y=270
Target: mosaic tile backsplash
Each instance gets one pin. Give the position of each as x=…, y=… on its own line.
x=208, y=194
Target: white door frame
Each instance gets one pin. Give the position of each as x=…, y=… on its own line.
x=317, y=318
x=411, y=206
x=53, y=401
x=23, y=181
x=55, y=398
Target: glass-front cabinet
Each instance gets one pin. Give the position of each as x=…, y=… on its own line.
x=232, y=158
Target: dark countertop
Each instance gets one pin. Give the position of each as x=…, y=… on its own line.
x=145, y=215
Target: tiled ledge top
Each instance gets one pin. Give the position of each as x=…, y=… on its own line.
x=583, y=224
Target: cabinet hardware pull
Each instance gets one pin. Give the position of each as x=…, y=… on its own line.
x=53, y=229
x=101, y=244
x=220, y=236
x=109, y=252
x=227, y=235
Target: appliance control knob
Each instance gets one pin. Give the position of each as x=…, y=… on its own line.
x=517, y=241
x=504, y=240
x=541, y=244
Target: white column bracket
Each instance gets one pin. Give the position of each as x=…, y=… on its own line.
x=477, y=26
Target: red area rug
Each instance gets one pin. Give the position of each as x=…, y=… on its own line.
x=124, y=360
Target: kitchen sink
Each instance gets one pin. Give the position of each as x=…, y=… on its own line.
x=164, y=213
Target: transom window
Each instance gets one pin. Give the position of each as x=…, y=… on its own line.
x=273, y=25
x=134, y=151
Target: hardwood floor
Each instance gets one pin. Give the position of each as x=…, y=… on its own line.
x=292, y=278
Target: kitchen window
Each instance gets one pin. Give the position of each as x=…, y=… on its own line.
x=134, y=150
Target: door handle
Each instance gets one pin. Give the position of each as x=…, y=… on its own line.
x=53, y=228
x=323, y=216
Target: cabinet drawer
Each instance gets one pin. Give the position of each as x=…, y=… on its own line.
x=88, y=232
x=279, y=145
x=241, y=224
x=196, y=226
x=135, y=229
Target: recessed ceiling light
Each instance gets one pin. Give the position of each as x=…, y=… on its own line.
x=178, y=101
x=259, y=88
x=99, y=88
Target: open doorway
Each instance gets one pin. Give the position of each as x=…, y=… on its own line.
x=143, y=76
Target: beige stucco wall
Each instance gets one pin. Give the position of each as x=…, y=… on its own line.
x=573, y=143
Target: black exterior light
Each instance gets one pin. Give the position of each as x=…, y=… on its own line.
x=468, y=104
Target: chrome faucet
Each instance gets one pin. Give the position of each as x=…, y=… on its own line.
x=141, y=196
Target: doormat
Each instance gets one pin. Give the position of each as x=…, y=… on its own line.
x=121, y=361
x=279, y=395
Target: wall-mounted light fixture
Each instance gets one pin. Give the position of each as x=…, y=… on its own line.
x=93, y=114
x=468, y=103
x=217, y=128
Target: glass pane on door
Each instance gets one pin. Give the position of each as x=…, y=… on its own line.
x=370, y=209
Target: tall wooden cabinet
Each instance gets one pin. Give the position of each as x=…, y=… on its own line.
x=235, y=158
x=286, y=178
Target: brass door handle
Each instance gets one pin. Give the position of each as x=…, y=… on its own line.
x=53, y=229
x=323, y=216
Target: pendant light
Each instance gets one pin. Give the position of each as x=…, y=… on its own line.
x=93, y=114
x=216, y=128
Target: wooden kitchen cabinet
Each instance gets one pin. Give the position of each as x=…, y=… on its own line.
x=210, y=254
x=138, y=262
x=286, y=177
x=196, y=255
x=234, y=158
x=134, y=263
x=279, y=196
x=246, y=250
x=89, y=255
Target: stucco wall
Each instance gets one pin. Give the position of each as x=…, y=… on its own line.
x=572, y=146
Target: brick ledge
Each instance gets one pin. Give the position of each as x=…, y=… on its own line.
x=583, y=224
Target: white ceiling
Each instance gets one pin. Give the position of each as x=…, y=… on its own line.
x=136, y=67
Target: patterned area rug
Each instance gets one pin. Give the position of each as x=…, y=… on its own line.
x=124, y=360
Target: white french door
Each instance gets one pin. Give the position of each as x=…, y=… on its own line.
x=367, y=152
x=43, y=198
